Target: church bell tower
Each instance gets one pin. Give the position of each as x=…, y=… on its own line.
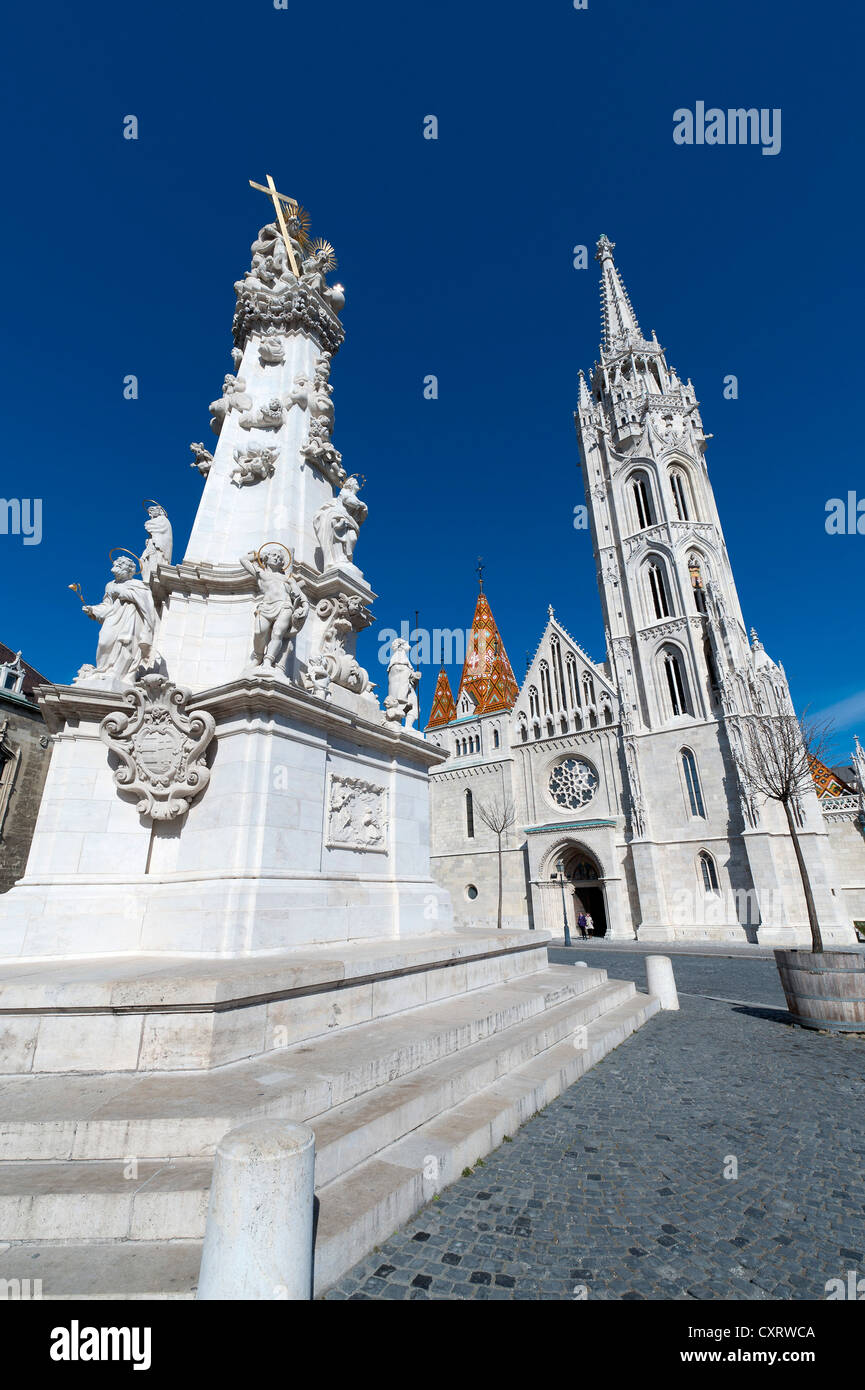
x=679, y=650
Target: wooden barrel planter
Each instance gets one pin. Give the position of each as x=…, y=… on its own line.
x=824, y=989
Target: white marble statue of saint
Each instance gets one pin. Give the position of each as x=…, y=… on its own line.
x=281, y=611
x=402, y=682
x=128, y=629
x=160, y=541
x=337, y=525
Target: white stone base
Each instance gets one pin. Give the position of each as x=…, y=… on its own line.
x=409, y=1061
x=259, y=863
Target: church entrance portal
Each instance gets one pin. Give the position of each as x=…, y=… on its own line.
x=591, y=901
x=583, y=874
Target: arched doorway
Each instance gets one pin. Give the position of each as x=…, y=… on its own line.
x=584, y=874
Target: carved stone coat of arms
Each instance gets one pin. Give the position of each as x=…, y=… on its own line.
x=160, y=746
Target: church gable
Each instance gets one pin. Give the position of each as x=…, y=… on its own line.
x=564, y=690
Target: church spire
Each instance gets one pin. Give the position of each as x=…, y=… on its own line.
x=487, y=675
x=443, y=707
x=618, y=320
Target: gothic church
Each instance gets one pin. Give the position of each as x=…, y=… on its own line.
x=627, y=798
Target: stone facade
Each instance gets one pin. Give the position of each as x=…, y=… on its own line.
x=626, y=775
x=25, y=752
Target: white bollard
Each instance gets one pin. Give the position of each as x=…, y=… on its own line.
x=258, y=1237
x=661, y=981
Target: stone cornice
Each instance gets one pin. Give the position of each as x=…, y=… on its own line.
x=61, y=704
x=570, y=825
x=294, y=310
x=469, y=769
x=249, y=695
x=258, y=695
x=201, y=578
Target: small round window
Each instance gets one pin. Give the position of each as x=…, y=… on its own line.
x=471, y=892
x=573, y=783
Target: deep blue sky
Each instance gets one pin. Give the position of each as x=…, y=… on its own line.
x=555, y=125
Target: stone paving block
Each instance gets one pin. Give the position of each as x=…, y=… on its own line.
x=631, y=1158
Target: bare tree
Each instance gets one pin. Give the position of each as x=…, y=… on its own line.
x=498, y=815
x=775, y=760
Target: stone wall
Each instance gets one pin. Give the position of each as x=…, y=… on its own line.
x=27, y=752
x=847, y=839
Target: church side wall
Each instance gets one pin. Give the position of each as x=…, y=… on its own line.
x=460, y=862
x=847, y=839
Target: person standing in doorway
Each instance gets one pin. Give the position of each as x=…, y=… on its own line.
x=581, y=923
x=590, y=926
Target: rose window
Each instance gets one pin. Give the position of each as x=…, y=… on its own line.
x=573, y=783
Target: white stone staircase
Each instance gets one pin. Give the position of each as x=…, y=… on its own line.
x=104, y=1178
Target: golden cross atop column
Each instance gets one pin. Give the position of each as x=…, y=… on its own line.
x=281, y=200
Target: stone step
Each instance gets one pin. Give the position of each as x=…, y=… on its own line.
x=127, y=1271
x=358, y=1210
x=169, y=1115
x=149, y=1200
x=179, y=1014
x=368, y=1204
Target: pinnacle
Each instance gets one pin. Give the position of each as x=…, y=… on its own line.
x=487, y=673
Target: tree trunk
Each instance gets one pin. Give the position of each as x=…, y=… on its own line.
x=499, y=922
x=816, y=938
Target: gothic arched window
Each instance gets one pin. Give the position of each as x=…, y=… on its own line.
x=659, y=596
x=674, y=680
x=709, y=872
x=470, y=817
x=692, y=783
x=641, y=498
x=681, y=495
x=546, y=691
x=573, y=687
x=533, y=703
x=495, y=738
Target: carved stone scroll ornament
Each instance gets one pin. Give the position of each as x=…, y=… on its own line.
x=357, y=815
x=160, y=746
x=341, y=615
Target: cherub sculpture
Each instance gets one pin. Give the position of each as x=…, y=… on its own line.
x=282, y=607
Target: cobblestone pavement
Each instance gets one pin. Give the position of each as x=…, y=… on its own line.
x=746, y=981
x=618, y=1188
